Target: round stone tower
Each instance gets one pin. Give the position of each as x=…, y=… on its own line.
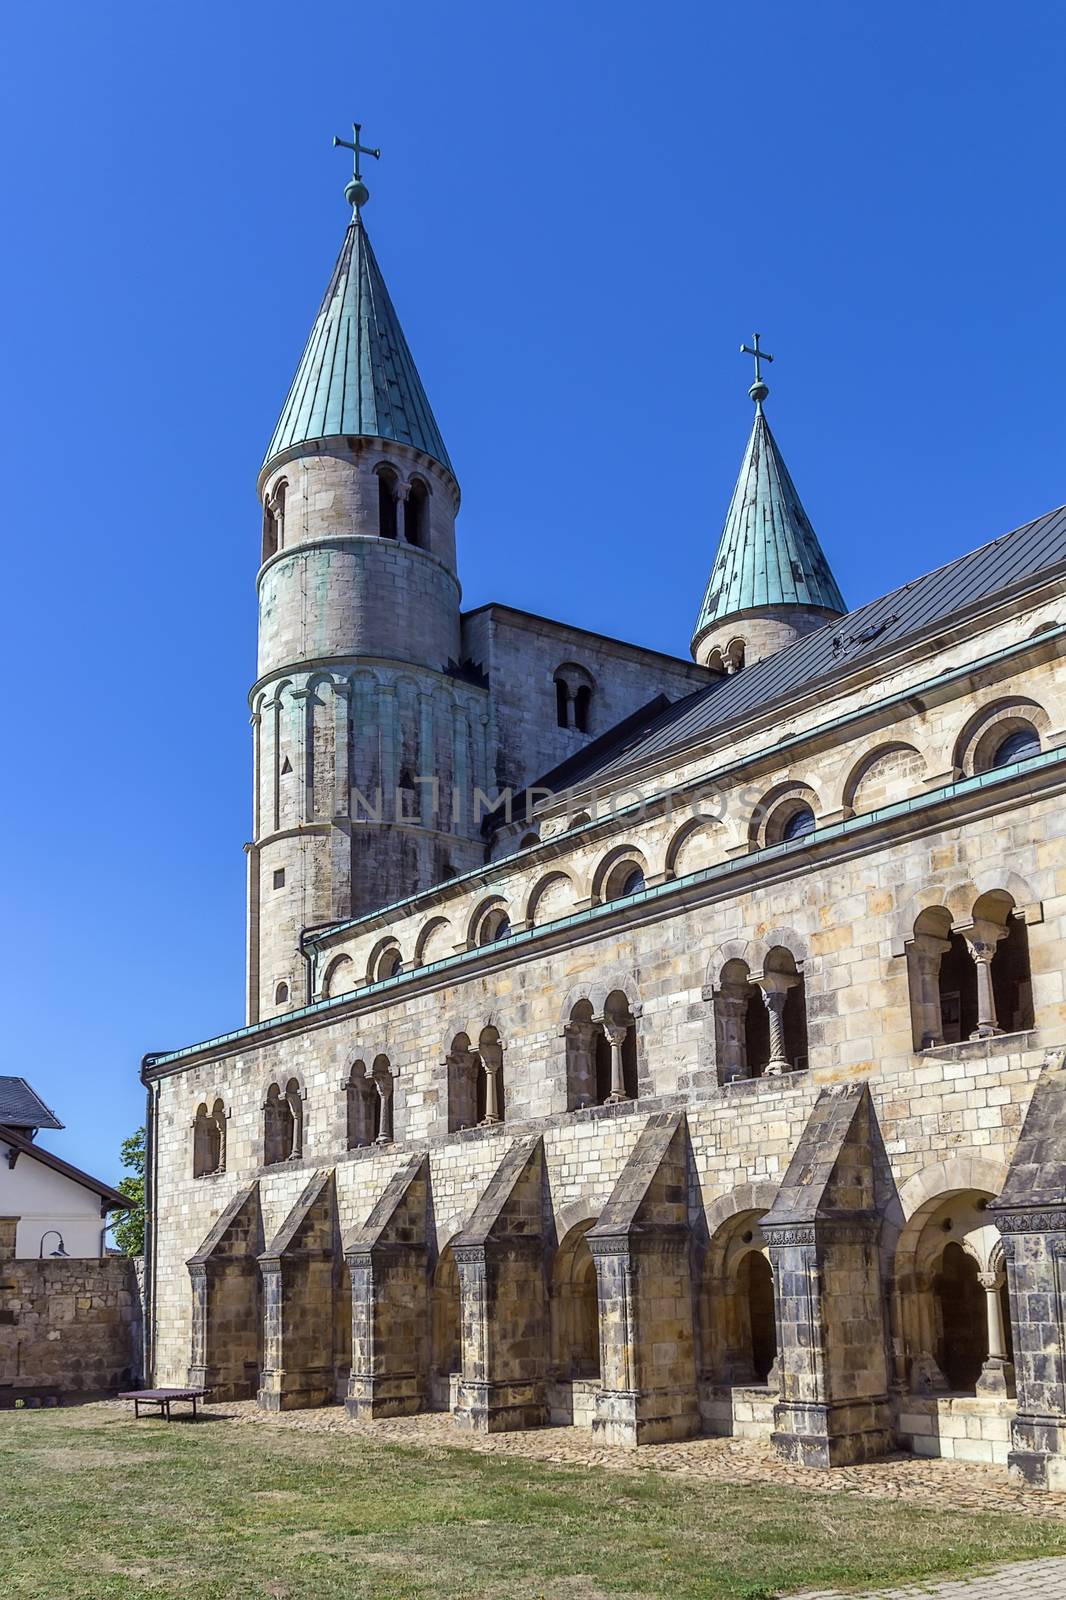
x=370, y=738
x=770, y=582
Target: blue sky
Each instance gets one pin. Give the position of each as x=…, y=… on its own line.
x=581, y=211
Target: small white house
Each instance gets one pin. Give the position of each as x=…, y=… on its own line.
x=61, y=1210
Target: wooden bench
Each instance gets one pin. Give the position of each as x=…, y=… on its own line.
x=163, y=1398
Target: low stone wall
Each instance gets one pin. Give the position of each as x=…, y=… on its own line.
x=66, y=1326
x=960, y=1427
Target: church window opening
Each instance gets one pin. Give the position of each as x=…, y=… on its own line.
x=281, y=994
x=581, y=1037
x=494, y=926
x=799, y=824
x=387, y=520
x=209, y=1140
x=973, y=979
x=761, y=1018
x=1017, y=746
x=626, y=877
x=282, y=1123
x=573, y=697
x=386, y=962
x=463, y=1068
x=416, y=514
x=369, y=1104
x=279, y=877
x=270, y=533
x=562, y=703
x=616, y=1052
x=490, y=1084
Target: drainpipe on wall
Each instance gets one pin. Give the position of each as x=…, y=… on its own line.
x=151, y=1212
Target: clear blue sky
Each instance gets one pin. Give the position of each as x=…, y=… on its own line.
x=581, y=211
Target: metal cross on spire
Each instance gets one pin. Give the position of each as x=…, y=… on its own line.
x=759, y=390
x=356, y=192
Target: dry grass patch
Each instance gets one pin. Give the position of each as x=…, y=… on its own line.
x=102, y=1508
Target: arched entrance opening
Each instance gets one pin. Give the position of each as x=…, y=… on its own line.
x=756, y=1286
x=575, y=1329
x=446, y=1355
x=952, y=1306
x=738, y=1329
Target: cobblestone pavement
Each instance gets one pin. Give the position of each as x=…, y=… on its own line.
x=1024, y=1580
x=952, y=1485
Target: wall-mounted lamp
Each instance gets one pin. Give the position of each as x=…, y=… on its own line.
x=57, y=1252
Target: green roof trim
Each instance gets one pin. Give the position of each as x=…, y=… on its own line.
x=357, y=375
x=769, y=553
x=828, y=833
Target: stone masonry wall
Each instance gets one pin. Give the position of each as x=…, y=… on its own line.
x=66, y=1327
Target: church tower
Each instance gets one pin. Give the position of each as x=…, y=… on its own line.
x=369, y=737
x=770, y=582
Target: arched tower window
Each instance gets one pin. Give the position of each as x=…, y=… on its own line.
x=416, y=514
x=274, y=520
x=573, y=697
x=387, y=503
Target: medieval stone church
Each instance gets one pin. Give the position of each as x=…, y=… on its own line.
x=653, y=1043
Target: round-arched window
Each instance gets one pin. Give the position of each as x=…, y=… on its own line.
x=497, y=925
x=800, y=823
x=1017, y=746
x=633, y=883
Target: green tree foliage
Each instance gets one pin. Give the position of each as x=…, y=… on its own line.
x=128, y=1228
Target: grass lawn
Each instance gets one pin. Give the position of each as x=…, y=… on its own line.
x=93, y=1505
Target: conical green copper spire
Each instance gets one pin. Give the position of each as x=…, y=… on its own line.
x=356, y=375
x=768, y=555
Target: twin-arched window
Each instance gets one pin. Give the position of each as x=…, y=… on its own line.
x=573, y=697
x=209, y=1140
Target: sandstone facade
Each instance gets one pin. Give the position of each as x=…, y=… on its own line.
x=718, y=1088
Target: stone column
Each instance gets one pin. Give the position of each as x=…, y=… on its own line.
x=616, y=1033
x=775, y=987
x=384, y=1093
x=924, y=955
x=981, y=938
x=997, y=1374
x=400, y=495
x=731, y=1005
x=491, y=1062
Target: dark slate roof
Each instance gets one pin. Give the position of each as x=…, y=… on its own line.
x=111, y=1199
x=1013, y=561
x=769, y=553
x=357, y=375
x=22, y=1107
